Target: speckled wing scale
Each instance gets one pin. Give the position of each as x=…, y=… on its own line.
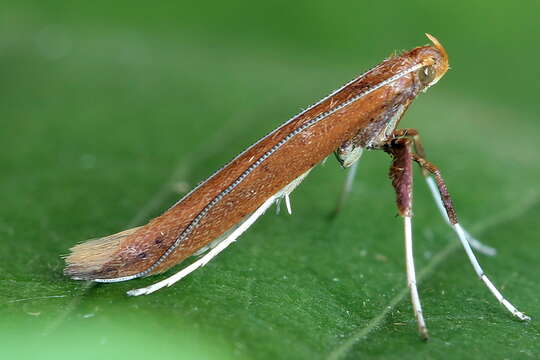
x=246, y=182
x=222, y=242
x=361, y=115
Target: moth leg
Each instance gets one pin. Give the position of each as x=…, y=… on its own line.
x=452, y=217
x=475, y=243
x=347, y=187
x=288, y=203
x=402, y=180
x=419, y=149
x=348, y=155
x=415, y=137
x=209, y=255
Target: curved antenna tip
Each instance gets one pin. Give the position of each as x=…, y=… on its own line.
x=438, y=45
x=434, y=40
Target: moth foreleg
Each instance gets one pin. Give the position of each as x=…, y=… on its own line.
x=419, y=150
x=402, y=180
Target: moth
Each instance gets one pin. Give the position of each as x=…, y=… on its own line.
x=361, y=115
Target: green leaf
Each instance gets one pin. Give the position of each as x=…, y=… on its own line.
x=109, y=115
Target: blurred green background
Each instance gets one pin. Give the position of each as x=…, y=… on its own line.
x=110, y=111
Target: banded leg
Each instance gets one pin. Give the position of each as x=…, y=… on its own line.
x=419, y=149
x=453, y=220
x=402, y=180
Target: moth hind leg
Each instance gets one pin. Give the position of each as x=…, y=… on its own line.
x=221, y=244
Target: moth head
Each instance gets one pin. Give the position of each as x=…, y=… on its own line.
x=435, y=61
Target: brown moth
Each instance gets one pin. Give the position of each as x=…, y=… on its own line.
x=361, y=115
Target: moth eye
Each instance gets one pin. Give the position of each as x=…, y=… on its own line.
x=426, y=75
